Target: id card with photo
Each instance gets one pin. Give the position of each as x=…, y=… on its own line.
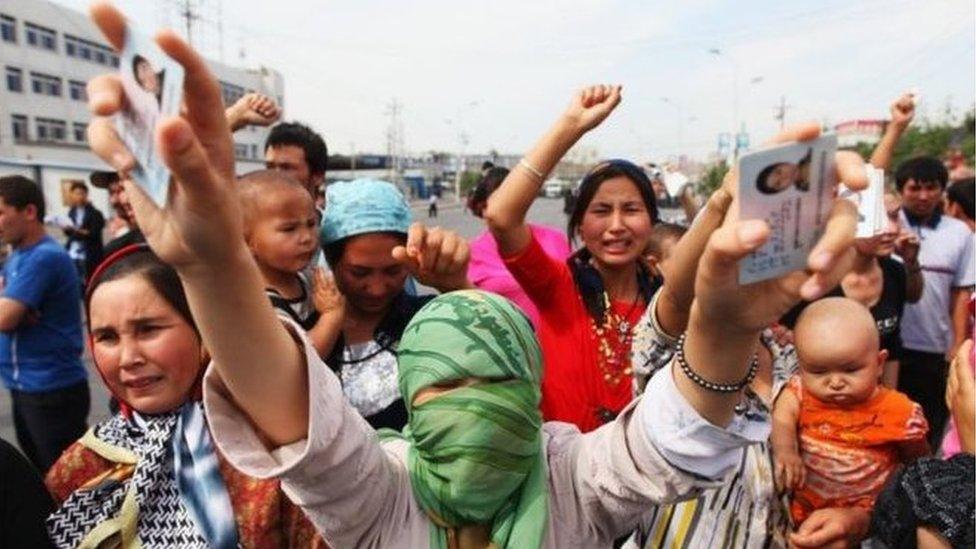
x=790, y=187
x=153, y=85
x=871, y=215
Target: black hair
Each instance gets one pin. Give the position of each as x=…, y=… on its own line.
x=333, y=251
x=661, y=232
x=594, y=179
x=921, y=169
x=963, y=192
x=487, y=165
x=136, y=59
x=79, y=185
x=762, y=180
x=300, y=135
x=159, y=275
x=489, y=183
x=19, y=192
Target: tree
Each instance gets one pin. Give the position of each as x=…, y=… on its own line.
x=931, y=139
x=712, y=179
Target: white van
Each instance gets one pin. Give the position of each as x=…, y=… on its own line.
x=553, y=188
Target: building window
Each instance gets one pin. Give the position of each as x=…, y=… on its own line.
x=240, y=151
x=76, y=90
x=8, y=29
x=15, y=80
x=80, y=130
x=41, y=37
x=44, y=84
x=49, y=129
x=90, y=51
x=231, y=92
x=19, y=127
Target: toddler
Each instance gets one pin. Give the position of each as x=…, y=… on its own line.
x=837, y=433
x=280, y=229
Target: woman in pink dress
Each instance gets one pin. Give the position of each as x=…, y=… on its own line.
x=487, y=270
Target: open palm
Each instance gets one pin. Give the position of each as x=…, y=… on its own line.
x=201, y=219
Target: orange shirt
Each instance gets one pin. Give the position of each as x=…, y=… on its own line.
x=850, y=451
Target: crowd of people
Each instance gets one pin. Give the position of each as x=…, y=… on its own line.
x=277, y=380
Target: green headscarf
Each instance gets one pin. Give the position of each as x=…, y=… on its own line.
x=476, y=452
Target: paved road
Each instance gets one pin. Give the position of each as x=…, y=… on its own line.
x=544, y=211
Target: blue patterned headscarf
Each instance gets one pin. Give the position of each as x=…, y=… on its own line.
x=363, y=206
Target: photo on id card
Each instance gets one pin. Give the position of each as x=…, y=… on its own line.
x=790, y=187
x=153, y=85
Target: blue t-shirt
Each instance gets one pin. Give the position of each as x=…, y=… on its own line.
x=44, y=355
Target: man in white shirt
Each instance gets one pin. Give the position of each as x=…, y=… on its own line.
x=934, y=327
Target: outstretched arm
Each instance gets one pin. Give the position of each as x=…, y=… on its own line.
x=199, y=233
x=902, y=112
x=726, y=318
x=507, y=206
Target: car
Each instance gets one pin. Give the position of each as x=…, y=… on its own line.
x=553, y=188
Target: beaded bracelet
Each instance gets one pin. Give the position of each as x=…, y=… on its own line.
x=716, y=387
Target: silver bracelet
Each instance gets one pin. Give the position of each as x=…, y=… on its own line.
x=709, y=385
x=532, y=169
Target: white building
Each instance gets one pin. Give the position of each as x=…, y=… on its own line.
x=47, y=54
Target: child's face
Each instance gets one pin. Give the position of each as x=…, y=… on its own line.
x=148, y=354
x=282, y=232
x=842, y=381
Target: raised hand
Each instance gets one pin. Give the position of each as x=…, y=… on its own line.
x=756, y=306
x=903, y=110
x=252, y=109
x=435, y=257
x=591, y=106
x=199, y=232
x=201, y=222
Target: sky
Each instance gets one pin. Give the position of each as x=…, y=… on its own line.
x=501, y=72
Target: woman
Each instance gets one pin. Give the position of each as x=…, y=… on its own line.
x=150, y=474
x=364, y=237
x=587, y=304
x=470, y=374
x=883, y=285
x=487, y=270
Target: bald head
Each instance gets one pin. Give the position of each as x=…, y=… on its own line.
x=835, y=330
x=264, y=187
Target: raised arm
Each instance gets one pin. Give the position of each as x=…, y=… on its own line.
x=726, y=318
x=252, y=109
x=902, y=112
x=507, y=206
x=674, y=304
x=199, y=233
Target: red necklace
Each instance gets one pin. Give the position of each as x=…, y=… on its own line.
x=613, y=338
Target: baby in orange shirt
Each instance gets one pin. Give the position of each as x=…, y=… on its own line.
x=837, y=433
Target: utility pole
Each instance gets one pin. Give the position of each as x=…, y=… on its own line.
x=189, y=16
x=781, y=111
x=394, y=139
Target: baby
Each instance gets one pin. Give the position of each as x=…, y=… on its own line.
x=663, y=238
x=281, y=230
x=838, y=434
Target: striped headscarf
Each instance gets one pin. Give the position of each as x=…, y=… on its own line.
x=476, y=452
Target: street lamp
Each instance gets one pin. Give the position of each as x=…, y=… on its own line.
x=735, y=96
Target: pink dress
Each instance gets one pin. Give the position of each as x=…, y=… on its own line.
x=488, y=272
